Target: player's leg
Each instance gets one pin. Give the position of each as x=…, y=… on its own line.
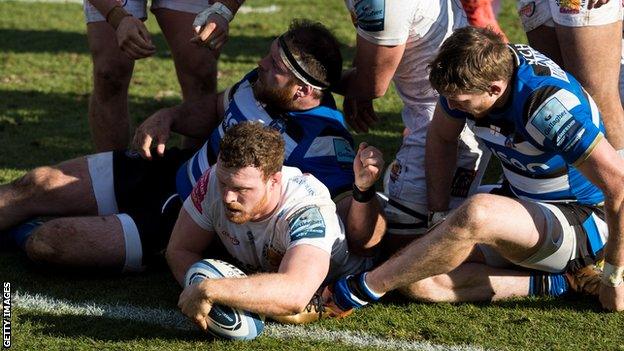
x=537, y=22
x=63, y=189
x=108, y=105
x=590, y=43
x=470, y=282
x=592, y=55
x=513, y=228
x=196, y=66
x=102, y=242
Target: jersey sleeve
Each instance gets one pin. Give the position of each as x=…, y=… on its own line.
x=563, y=122
x=330, y=159
x=196, y=205
x=382, y=22
x=312, y=218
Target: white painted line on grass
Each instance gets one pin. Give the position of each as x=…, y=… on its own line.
x=170, y=318
x=243, y=9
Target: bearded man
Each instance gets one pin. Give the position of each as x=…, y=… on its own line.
x=119, y=209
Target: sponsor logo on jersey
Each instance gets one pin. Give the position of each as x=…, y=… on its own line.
x=229, y=236
x=536, y=58
x=551, y=119
x=570, y=6
x=343, y=150
x=527, y=10
x=533, y=167
x=306, y=223
x=199, y=192
x=395, y=171
x=370, y=14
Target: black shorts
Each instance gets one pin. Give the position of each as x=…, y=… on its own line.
x=145, y=190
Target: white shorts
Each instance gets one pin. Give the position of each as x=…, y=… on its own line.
x=406, y=211
x=138, y=8
x=569, y=13
x=580, y=233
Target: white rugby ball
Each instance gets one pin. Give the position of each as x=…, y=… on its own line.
x=223, y=321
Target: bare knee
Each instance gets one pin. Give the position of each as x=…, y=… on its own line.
x=46, y=243
x=39, y=181
x=470, y=220
x=111, y=77
x=197, y=74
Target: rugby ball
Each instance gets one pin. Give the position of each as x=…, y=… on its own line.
x=223, y=321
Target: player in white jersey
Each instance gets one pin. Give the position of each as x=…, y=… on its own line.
x=117, y=37
x=395, y=41
x=565, y=207
x=583, y=37
x=271, y=219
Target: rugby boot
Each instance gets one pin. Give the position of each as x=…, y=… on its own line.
x=315, y=310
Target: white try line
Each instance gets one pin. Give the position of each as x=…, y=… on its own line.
x=243, y=9
x=170, y=318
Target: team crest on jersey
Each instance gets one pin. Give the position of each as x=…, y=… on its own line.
x=305, y=223
x=370, y=14
x=228, y=122
x=527, y=10
x=199, y=192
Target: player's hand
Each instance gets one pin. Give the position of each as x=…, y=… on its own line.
x=594, y=4
x=155, y=129
x=367, y=166
x=611, y=298
x=134, y=39
x=194, y=304
x=359, y=114
x=211, y=29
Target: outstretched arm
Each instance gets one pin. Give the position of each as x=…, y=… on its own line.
x=301, y=272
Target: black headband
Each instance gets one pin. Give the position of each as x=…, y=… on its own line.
x=296, y=68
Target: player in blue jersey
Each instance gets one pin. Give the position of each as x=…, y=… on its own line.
x=560, y=208
x=136, y=201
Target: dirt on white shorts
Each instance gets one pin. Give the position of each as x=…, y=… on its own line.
x=569, y=13
x=138, y=8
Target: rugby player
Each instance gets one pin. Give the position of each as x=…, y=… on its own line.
x=119, y=209
x=273, y=220
x=561, y=205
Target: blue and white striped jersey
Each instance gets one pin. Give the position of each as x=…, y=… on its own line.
x=316, y=140
x=549, y=125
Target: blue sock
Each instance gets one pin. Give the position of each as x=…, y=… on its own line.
x=547, y=284
x=21, y=232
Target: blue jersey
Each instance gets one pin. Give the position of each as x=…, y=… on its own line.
x=549, y=125
x=316, y=140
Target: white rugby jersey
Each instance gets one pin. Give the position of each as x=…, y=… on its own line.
x=305, y=214
x=422, y=26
